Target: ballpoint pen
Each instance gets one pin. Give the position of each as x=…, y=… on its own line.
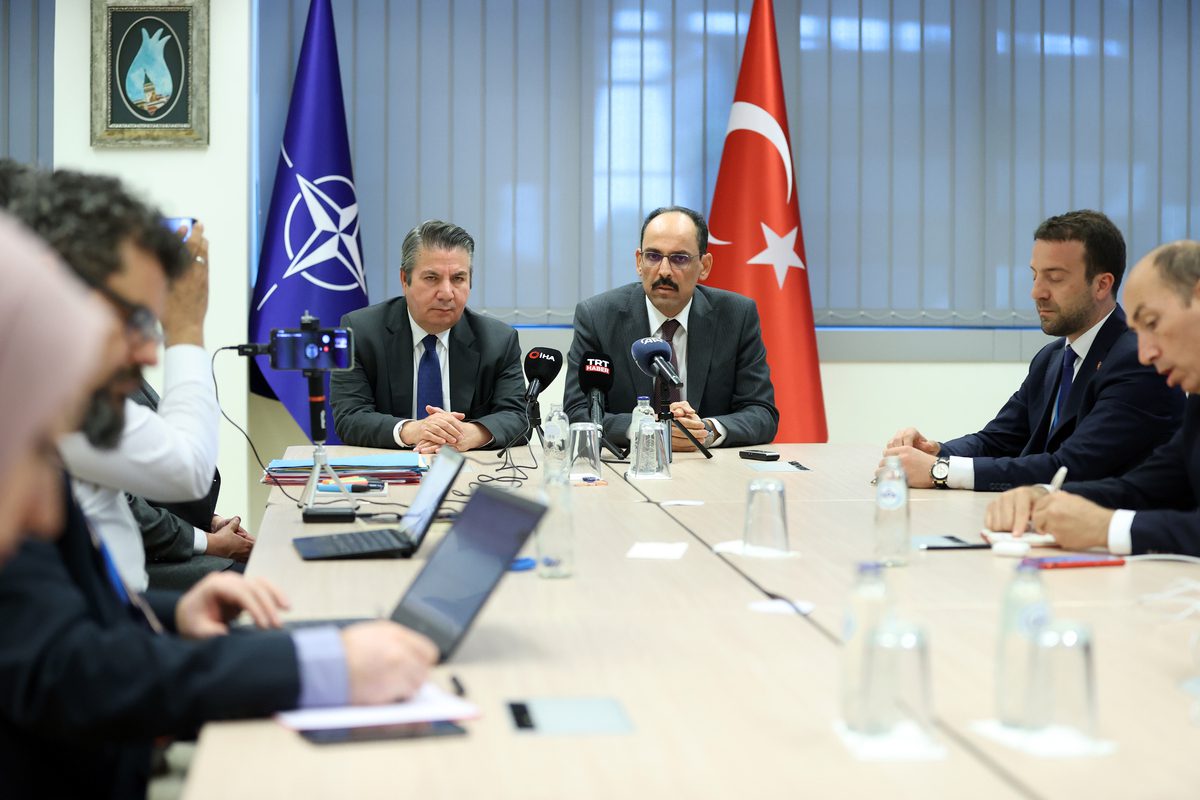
x=1059, y=478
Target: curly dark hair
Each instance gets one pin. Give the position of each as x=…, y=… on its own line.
x=15, y=177
x=87, y=217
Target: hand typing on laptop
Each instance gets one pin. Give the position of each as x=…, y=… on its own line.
x=208, y=607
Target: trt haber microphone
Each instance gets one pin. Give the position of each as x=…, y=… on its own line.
x=595, y=379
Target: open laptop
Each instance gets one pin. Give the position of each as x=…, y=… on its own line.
x=464, y=569
x=399, y=542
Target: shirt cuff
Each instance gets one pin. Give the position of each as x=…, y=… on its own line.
x=396, y=434
x=1120, y=532
x=962, y=473
x=324, y=678
x=187, y=362
x=721, y=432
x=199, y=542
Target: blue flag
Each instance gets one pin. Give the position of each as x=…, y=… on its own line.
x=311, y=253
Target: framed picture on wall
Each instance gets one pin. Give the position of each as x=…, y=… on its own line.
x=149, y=73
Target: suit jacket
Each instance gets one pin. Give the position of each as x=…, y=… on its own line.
x=1117, y=413
x=727, y=374
x=486, y=382
x=85, y=685
x=1163, y=490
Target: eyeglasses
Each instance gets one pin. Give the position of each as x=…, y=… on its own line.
x=676, y=260
x=139, y=320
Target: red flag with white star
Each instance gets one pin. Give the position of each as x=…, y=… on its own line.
x=755, y=236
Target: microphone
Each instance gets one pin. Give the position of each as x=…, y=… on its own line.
x=595, y=379
x=542, y=366
x=653, y=357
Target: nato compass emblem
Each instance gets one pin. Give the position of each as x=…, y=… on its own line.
x=320, y=234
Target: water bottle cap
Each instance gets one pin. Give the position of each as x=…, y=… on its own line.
x=1029, y=566
x=870, y=568
x=642, y=397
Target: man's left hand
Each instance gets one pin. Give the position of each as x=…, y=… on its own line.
x=916, y=463
x=1076, y=523
x=687, y=417
x=206, y=609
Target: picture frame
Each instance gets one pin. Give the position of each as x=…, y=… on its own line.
x=150, y=73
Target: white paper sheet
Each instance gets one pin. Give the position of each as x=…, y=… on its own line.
x=431, y=703
x=667, y=550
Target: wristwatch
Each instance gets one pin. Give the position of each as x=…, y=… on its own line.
x=712, y=432
x=940, y=471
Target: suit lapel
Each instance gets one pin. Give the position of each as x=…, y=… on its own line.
x=701, y=340
x=634, y=325
x=1106, y=337
x=1047, y=397
x=398, y=355
x=464, y=365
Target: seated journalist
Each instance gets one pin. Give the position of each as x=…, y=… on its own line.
x=716, y=342
x=91, y=672
x=1086, y=403
x=1152, y=508
x=428, y=371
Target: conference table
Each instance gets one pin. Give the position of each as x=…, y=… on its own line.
x=722, y=697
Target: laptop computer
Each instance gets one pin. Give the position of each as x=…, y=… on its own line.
x=400, y=542
x=463, y=570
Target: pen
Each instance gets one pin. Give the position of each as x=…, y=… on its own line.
x=972, y=546
x=1059, y=478
x=459, y=689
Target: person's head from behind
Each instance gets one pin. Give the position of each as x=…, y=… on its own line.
x=1163, y=299
x=15, y=177
x=1078, y=260
x=672, y=257
x=435, y=267
x=56, y=342
x=119, y=247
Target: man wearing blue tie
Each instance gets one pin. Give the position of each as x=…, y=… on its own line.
x=428, y=371
x=1086, y=403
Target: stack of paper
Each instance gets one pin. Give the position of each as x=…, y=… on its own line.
x=403, y=466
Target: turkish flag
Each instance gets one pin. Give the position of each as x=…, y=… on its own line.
x=755, y=237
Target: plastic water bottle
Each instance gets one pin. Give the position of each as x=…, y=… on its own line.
x=556, y=432
x=640, y=412
x=1026, y=611
x=555, y=536
x=892, y=539
x=864, y=700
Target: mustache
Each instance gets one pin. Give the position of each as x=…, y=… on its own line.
x=664, y=281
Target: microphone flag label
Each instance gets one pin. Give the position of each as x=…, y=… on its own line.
x=311, y=256
x=755, y=235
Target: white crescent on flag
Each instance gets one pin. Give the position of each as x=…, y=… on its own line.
x=749, y=117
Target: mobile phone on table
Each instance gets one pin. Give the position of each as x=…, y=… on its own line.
x=759, y=455
x=1075, y=560
x=379, y=733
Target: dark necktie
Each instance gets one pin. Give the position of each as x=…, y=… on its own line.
x=1064, y=385
x=128, y=598
x=429, y=378
x=669, y=329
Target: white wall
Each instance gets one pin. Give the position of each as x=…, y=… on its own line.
x=207, y=183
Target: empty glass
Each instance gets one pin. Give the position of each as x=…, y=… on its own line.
x=1062, y=687
x=888, y=685
x=766, y=518
x=648, y=457
x=584, y=451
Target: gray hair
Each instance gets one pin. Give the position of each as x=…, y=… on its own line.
x=432, y=235
x=1179, y=265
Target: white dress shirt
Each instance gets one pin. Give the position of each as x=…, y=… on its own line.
x=168, y=456
x=962, y=468
x=442, y=348
x=680, y=344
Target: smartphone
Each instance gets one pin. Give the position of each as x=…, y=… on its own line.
x=1075, y=560
x=379, y=733
x=759, y=455
x=175, y=223
x=324, y=349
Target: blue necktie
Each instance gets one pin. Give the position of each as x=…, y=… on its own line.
x=1064, y=384
x=429, y=378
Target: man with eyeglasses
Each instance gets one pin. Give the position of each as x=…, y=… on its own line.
x=727, y=399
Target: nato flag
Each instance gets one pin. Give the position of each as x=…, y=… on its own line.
x=311, y=257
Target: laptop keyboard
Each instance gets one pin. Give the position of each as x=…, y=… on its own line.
x=354, y=544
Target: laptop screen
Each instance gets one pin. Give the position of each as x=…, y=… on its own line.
x=434, y=488
x=464, y=569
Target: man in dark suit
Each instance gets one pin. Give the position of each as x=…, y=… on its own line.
x=427, y=370
x=1086, y=403
x=715, y=336
x=1153, y=508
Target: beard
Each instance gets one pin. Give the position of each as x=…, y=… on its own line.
x=105, y=419
x=1069, y=321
